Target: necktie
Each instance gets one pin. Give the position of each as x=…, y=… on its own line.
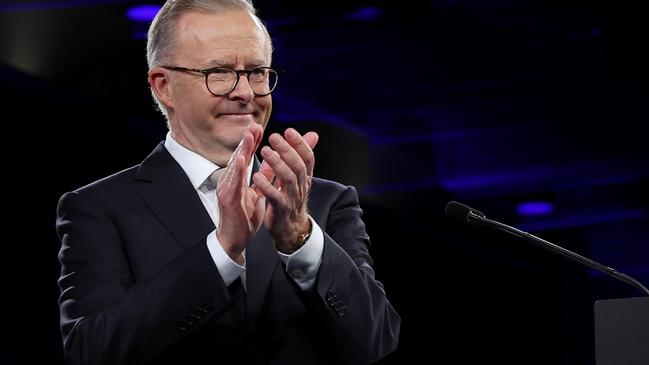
x=214, y=179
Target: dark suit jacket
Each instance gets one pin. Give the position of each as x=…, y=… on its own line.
x=138, y=284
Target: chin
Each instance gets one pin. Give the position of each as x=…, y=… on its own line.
x=232, y=137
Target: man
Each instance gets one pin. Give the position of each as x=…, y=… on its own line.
x=181, y=260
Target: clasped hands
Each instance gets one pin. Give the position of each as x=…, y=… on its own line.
x=277, y=197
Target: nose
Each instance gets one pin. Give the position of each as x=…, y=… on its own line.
x=242, y=91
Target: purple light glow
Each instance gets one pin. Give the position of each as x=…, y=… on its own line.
x=535, y=208
x=142, y=13
x=365, y=13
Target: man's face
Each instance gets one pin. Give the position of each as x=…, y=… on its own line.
x=210, y=124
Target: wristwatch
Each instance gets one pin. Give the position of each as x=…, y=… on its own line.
x=301, y=240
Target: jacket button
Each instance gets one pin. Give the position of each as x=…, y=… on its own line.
x=206, y=306
x=341, y=311
x=182, y=325
x=188, y=320
x=333, y=301
x=330, y=294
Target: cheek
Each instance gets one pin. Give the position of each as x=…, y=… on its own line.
x=208, y=106
x=267, y=105
x=267, y=108
x=200, y=115
x=191, y=101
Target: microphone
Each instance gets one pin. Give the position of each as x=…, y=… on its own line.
x=462, y=213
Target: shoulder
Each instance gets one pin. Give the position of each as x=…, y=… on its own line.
x=114, y=181
x=329, y=187
x=327, y=192
x=107, y=188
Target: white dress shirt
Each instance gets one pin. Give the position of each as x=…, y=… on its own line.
x=302, y=265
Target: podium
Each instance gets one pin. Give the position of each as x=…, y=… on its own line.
x=622, y=331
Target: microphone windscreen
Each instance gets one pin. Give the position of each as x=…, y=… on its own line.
x=459, y=211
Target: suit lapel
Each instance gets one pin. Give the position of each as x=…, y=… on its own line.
x=167, y=191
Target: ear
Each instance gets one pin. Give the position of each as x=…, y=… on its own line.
x=159, y=82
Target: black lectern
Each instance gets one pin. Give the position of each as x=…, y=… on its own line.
x=622, y=331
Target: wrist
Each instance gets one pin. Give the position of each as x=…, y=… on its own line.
x=296, y=240
x=233, y=251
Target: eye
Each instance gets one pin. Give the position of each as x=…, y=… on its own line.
x=221, y=74
x=258, y=74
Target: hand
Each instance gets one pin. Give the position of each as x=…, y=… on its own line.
x=285, y=180
x=241, y=207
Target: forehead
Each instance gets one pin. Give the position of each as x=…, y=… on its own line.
x=232, y=36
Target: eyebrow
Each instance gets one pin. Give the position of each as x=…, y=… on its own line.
x=218, y=63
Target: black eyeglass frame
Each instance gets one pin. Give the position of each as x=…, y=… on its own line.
x=208, y=71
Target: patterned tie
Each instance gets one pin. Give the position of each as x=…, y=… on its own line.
x=214, y=179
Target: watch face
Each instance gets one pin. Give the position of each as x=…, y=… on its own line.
x=301, y=240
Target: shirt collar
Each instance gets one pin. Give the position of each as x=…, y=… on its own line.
x=197, y=167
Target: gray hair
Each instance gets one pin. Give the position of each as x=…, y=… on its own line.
x=162, y=32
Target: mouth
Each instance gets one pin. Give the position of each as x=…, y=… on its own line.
x=243, y=117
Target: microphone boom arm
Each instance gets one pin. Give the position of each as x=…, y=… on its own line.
x=476, y=218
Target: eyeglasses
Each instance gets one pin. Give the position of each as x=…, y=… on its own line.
x=220, y=81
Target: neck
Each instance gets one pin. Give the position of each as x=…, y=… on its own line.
x=218, y=154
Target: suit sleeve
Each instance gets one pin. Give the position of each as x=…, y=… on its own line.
x=105, y=317
x=350, y=302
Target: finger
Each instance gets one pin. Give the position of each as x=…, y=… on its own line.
x=243, y=145
x=267, y=170
x=229, y=186
x=250, y=141
x=257, y=133
x=250, y=210
x=244, y=149
x=311, y=139
x=260, y=210
x=290, y=157
x=303, y=146
x=288, y=181
x=272, y=194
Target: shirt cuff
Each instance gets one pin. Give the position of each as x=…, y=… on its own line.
x=227, y=267
x=303, y=264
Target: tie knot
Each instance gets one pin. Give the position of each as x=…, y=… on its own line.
x=214, y=176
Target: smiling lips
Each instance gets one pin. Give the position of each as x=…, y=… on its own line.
x=243, y=117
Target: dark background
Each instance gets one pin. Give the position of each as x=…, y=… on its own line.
x=492, y=103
